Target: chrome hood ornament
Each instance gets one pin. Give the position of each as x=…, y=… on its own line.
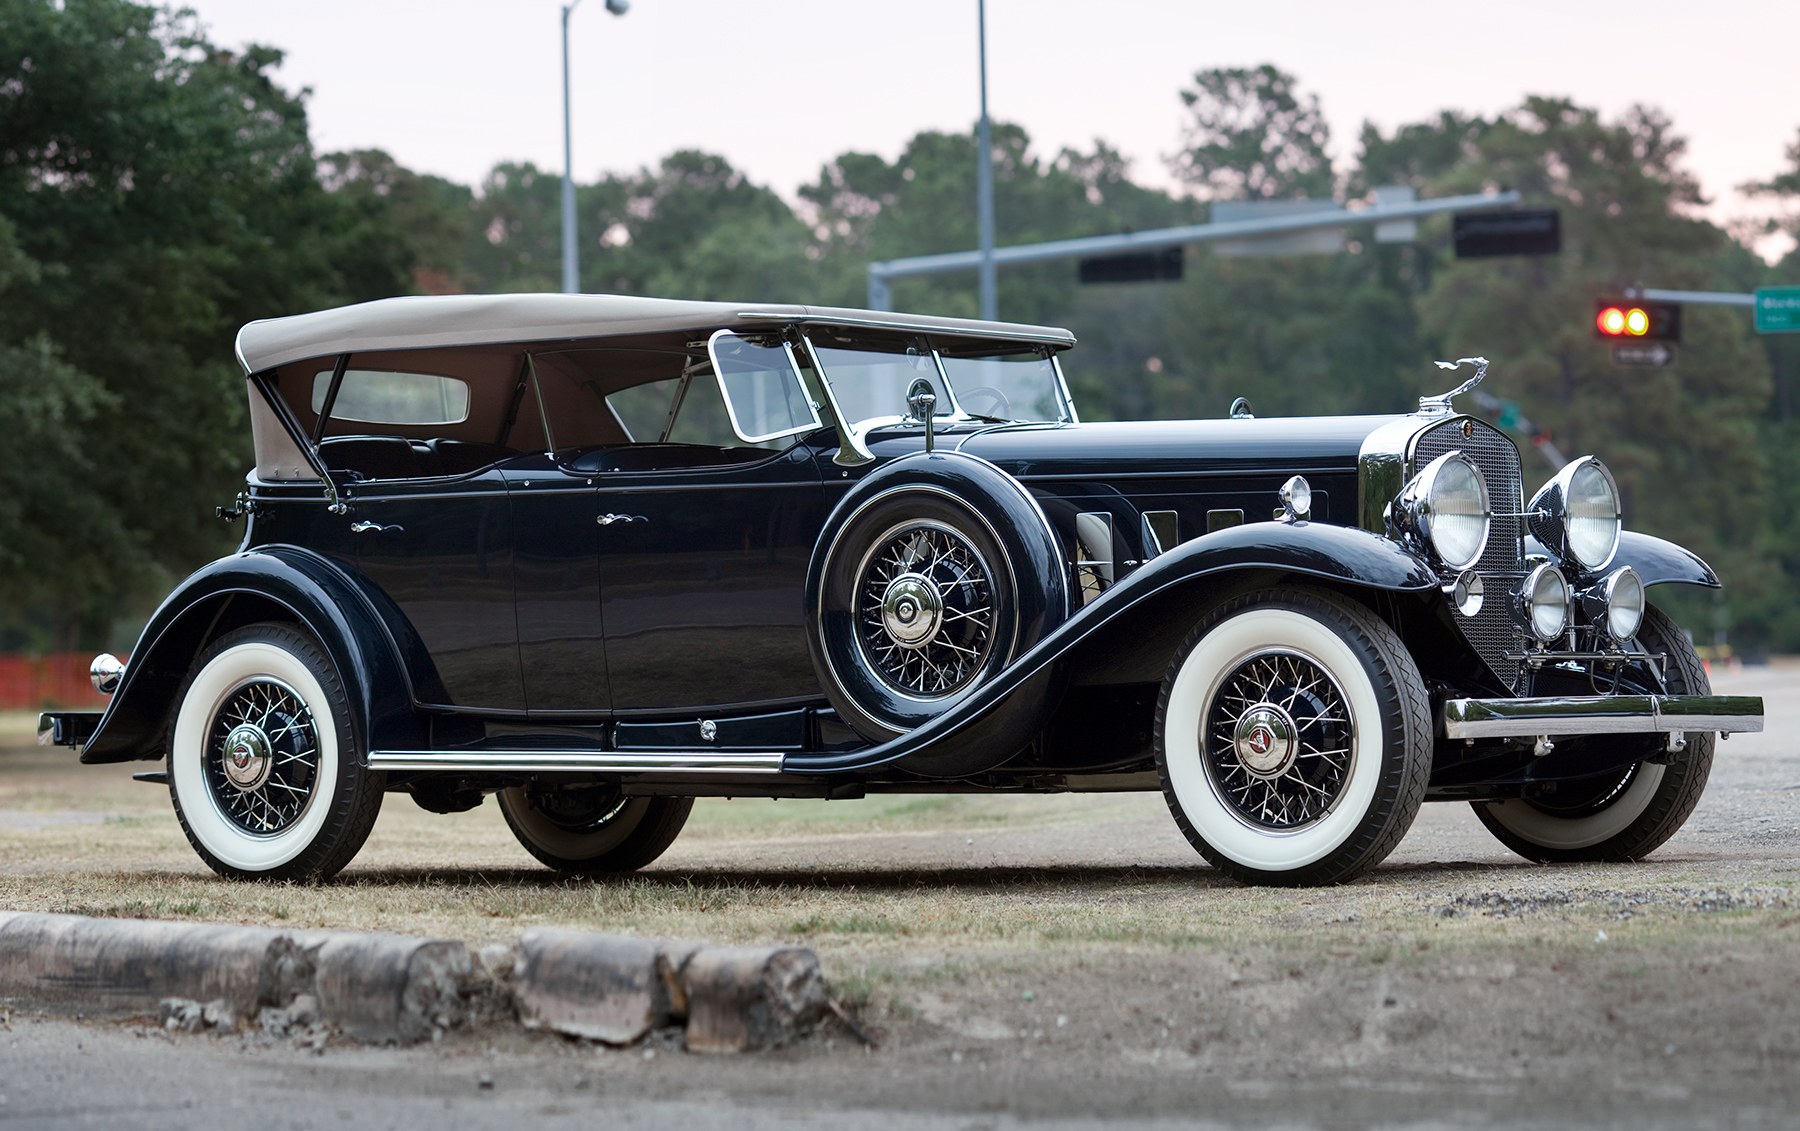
x=1440, y=405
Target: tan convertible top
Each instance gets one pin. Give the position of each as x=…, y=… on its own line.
x=454, y=320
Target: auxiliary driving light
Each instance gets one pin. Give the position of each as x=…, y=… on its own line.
x=1616, y=603
x=1545, y=598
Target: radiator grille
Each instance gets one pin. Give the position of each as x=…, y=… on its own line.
x=1492, y=632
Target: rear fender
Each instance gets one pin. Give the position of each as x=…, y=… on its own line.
x=278, y=583
x=1175, y=589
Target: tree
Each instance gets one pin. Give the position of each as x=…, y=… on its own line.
x=865, y=208
x=159, y=192
x=408, y=225
x=1250, y=136
x=1671, y=435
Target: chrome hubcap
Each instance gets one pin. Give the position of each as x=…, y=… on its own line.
x=912, y=610
x=1279, y=741
x=1266, y=741
x=924, y=609
x=262, y=756
x=247, y=757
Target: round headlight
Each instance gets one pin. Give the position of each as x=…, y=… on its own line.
x=1446, y=504
x=1624, y=603
x=1576, y=514
x=1546, y=600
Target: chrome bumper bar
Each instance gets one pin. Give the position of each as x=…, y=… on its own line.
x=1600, y=714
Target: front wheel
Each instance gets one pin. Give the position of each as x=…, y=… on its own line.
x=1293, y=738
x=263, y=767
x=592, y=830
x=1627, y=814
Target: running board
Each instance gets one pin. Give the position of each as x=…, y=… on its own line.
x=580, y=761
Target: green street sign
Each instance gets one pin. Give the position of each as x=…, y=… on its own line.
x=1778, y=310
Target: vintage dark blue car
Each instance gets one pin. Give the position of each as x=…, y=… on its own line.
x=600, y=555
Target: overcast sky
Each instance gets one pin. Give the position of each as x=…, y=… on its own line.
x=781, y=86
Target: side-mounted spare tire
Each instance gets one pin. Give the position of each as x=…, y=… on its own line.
x=933, y=574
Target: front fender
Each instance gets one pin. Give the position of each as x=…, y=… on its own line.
x=270, y=583
x=1656, y=560
x=996, y=720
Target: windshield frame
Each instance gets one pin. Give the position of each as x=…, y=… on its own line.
x=855, y=432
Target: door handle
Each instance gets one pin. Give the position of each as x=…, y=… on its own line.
x=609, y=519
x=366, y=527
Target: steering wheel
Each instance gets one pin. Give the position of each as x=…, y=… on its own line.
x=1002, y=406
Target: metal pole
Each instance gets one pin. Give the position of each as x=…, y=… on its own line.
x=984, y=184
x=571, y=267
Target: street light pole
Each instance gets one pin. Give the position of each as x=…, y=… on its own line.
x=571, y=258
x=984, y=184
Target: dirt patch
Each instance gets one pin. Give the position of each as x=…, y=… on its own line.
x=1071, y=956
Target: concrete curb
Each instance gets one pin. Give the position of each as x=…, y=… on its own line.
x=612, y=989
x=396, y=989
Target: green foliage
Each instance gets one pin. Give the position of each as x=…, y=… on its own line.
x=157, y=192
x=1250, y=136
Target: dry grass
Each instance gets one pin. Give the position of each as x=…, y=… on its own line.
x=899, y=890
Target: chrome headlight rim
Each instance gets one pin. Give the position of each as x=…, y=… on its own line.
x=1535, y=597
x=1420, y=511
x=1551, y=523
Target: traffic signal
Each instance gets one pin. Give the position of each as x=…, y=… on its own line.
x=1624, y=320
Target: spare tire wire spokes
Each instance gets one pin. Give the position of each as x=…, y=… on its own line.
x=925, y=609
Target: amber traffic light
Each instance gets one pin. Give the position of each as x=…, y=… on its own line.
x=1620, y=319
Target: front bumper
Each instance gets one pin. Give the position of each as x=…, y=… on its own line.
x=67, y=728
x=1555, y=716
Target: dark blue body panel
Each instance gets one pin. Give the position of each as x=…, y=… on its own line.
x=998, y=718
x=272, y=582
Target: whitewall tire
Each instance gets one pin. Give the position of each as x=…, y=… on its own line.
x=1629, y=813
x=1293, y=738
x=263, y=769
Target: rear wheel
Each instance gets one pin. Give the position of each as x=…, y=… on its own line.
x=1627, y=814
x=1293, y=738
x=264, y=772
x=593, y=830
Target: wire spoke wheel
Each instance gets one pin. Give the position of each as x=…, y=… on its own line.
x=1279, y=740
x=925, y=611
x=262, y=757
x=1293, y=737
x=264, y=768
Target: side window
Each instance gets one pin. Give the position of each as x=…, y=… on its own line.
x=700, y=415
x=643, y=410
x=369, y=396
x=764, y=395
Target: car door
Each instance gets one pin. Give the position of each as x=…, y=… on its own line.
x=702, y=560
x=441, y=549
x=562, y=648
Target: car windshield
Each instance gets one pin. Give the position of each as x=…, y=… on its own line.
x=869, y=380
x=1017, y=386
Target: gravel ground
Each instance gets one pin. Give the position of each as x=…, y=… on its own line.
x=1056, y=962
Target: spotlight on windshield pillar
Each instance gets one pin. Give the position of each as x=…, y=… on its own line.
x=1623, y=319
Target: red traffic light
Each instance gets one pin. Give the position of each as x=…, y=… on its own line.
x=1620, y=318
